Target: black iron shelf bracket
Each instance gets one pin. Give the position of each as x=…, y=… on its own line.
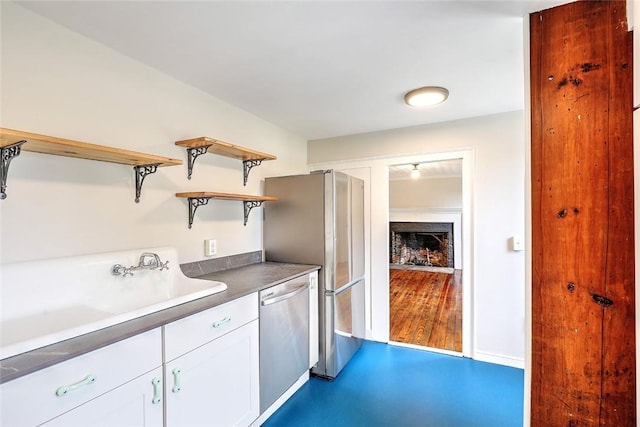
x=141, y=173
x=248, y=205
x=7, y=154
x=194, y=203
x=192, y=155
x=248, y=164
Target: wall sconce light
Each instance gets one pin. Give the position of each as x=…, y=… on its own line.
x=426, y=96
x=415, y=173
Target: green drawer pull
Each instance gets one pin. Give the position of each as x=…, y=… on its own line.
x=176, y=380
x=65, y=389
x=157, y=391
x=221, y=322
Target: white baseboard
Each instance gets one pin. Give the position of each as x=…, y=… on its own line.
x=498, y=359
x=423, y=348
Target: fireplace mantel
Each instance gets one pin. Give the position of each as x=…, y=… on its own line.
x=421, y=227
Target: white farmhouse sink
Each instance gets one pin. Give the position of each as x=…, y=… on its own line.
x=44, y=302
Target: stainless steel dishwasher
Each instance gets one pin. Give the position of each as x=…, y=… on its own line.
x=284, y=337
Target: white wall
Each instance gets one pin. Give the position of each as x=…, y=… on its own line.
x=425, y=193
x=497, y=186
x=58, y=83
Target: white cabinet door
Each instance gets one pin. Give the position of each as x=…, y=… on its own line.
x=216, y=384
x=137, y=403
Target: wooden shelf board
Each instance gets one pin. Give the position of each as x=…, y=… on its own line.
x=225, y=149
x=226, y=196
x=65, y=147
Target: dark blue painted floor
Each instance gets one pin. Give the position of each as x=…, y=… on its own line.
x=387, y=385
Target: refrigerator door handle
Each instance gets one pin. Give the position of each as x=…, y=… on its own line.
x=285, y=296
x=344, y=288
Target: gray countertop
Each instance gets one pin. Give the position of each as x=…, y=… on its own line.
x=240, y=281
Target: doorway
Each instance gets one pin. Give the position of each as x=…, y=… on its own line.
x=425, y=247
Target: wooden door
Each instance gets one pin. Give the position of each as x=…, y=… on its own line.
x=583, y=337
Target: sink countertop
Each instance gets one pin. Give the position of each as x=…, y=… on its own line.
x=240, y=281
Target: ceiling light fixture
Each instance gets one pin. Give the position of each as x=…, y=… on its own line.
x=415, y=173
x=426, y=96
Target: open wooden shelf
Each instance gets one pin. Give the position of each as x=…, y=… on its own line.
x=69, y=148
x=13, y=141
x=200, y=198
x=226, y=196
x=225, y=149
x=198, y=146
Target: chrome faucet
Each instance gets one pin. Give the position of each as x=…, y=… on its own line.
x=147, y=261
x=153, y=263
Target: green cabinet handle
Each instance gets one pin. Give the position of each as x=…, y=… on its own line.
x=65, y=389
x=221, y=322
x=157, y=391
x=176, y=380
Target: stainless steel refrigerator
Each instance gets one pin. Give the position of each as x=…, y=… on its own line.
x=319, y=219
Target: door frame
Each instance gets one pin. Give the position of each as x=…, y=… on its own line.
x=375, y=172
x=443, y=216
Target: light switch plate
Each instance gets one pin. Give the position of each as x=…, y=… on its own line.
x=515, y=243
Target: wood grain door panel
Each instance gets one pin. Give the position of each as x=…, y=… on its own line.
x=583, y=366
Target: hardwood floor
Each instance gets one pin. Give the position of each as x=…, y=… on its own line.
x=426, y=308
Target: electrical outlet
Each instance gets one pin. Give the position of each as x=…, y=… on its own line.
x=210, y=247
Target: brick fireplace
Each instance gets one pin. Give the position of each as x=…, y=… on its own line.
x=421, y=244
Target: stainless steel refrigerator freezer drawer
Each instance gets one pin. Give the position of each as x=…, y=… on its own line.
x=345, y=332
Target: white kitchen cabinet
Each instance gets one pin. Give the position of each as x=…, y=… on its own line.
x=216, y=382
x=186, y=334
x=46, y=394
x=137, y=403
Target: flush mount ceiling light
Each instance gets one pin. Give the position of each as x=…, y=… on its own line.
x=426, y=96
x=415, y=173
